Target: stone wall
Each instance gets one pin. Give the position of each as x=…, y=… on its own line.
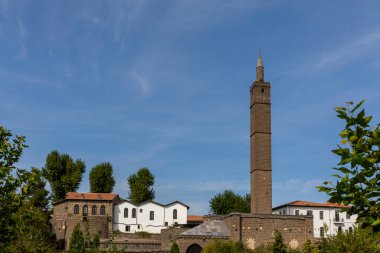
x=256, y=229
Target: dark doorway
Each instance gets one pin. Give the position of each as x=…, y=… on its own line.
x=194, y=248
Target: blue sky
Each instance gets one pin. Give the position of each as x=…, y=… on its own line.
x=165, y=85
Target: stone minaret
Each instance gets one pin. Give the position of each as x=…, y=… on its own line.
x=261, y=161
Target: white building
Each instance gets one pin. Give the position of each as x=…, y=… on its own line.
x=326, y=216
x=148, y=216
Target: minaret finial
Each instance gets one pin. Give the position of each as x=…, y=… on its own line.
x=260, y=60
x=260, y=68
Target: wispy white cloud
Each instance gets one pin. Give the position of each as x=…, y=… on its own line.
x=23, y=52
x=141, y=81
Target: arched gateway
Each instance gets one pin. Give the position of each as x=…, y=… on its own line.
x=194, y=248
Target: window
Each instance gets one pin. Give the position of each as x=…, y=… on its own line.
x=127, y=228
x=102, y=210
x=151, y=215
x=140, y=210
x=85, y=210
x=336, y=215
x=174, y=214
x=93, y=209
x=348, y=216
x=321, y=232
x=138, y=226
x=309, y=212
x=134, y=213
x=339, y=229
x=166, y=223
x=350, y=229
x=125, y=212
x=297, y=212
x=76, y=209
x=321, y=215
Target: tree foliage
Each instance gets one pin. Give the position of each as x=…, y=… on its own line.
x=358, y=181
x=357, y=241
x=37, y=195
x=278, y=245
x=228, y=202
x=174, y=248
x=225, y=246
x=77, y=244
x=141, y=186
x=63, y=173
x=309, y=247
x=32, y=230
x=101, y=178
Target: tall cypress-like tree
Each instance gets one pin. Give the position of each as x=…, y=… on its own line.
x=77, y=244
x=63, y=173
x=101, y=178
x=141, y=186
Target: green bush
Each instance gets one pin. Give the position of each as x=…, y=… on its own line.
x=225, y=246
x=174, y=248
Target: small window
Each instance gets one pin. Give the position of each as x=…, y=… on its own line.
x=348, y=216
x=76, y=209
x=141, y=210
x=339, y=229
x=174, y=214
x=262, y=90
x=151, y=215
x=166, y=223
x=321, y=215
x=336, y=215
x=93, y=209
x=85, y=210
x=321, y=232
x=102, y=210
x=127, y=228
x=134, y=213
x=138, y=226
x=350, y=229
x=297, y=212
x=309, y=212
x=176, y=223
x=125, y=212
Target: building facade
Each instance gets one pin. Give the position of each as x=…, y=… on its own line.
x=148, y=216
x=328, y=218
x=92, y=211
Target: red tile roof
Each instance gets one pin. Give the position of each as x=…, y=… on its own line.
x=313, y=204
x=90, y=196
x=195, y=218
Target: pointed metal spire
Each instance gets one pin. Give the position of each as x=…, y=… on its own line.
x=260, y=60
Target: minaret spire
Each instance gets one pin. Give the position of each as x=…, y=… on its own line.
x=260, y=69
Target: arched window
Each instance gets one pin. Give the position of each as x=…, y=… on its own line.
x=76, y=209
x=125, y=212
x=102, y=210
x=94, y=210
x=85, y=210
x=134, y=213
x=174, y=214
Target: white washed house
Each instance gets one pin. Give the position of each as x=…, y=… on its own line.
x=148, y=216
x=325, y=215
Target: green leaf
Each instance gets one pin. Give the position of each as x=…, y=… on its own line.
x=376, y=223
x=357, y=106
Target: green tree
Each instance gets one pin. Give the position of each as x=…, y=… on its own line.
x=11, y=183
x=63, y=173
x=357, y=241
x=141, y=186
x=174, y=248
x=309, y=247
x=278, y=245
x=32, y=230
x=77, y=243
x=228, y=202
x=101, y=178
x=358, y=183
x=37, y=195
